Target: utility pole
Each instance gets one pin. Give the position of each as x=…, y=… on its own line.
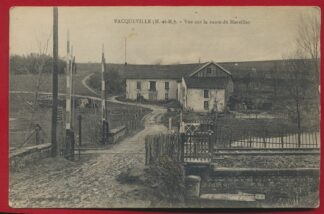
x=69, y=140
x=125, y=50
x=68, y=85
x=105, y=125
x=55, y=82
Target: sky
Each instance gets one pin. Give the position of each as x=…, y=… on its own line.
x=219, y=34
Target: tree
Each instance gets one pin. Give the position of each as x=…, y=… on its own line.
x=308, y=48
x=115, y=84
x=308, y=41
x=275, y=78
x=302, y=70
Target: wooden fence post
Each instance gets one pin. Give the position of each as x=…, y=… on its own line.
x=281, y=140
x=146, y=151
x=182, y=147
x=299, y=140
x=80, y=129
x=37, y=133
x=210, y=146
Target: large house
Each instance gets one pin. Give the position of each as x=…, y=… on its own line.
x=198, y=87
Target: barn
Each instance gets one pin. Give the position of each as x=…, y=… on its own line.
x=198, y=87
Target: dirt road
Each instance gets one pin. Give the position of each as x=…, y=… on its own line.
x=90, y=182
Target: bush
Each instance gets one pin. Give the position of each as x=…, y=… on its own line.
x=167, y=178
x=115, y=84
x=162, y=183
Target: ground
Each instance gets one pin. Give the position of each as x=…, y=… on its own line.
x=22, y=96
x=90, y=182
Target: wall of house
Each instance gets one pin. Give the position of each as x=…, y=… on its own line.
x=195, y=100
x=132, y=91
x=182, y=98
x=229, y=89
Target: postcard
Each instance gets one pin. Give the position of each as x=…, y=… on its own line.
x=164, y=107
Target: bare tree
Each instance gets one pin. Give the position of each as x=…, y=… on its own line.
x=40, y=62
x=308, y=45
x=302, y=70
x=308, y=40
x=296, y=71
x=275, y=78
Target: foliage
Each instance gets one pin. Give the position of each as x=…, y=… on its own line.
x=162, y=182
x=115, y=84
x=33, y=63
x=167, y=178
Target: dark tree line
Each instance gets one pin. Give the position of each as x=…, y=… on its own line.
x=33, y=64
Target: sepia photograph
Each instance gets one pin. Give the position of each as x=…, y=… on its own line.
x=164, y=107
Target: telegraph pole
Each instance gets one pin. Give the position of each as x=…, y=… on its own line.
x=68, y=85
x=55, y=82
x=105, y=125
x=125, y=50
x=69, y=140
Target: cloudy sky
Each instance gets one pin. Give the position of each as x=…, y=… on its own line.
x=216, y=33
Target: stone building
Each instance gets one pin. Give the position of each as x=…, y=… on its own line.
x=198, y=87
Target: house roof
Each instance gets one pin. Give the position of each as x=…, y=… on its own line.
x=160, y=71
x=206, y=82
x=209, y=63
x=175, y=72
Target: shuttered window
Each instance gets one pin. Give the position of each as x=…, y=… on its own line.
x=206, y=105
x=206, y=93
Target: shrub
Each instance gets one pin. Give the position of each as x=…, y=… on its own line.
x=115, y=84
x=167, y=178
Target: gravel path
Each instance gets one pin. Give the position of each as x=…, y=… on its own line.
x=90, y=182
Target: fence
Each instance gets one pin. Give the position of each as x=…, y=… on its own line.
x=117, y=117
x=225, y=137
x=282, y=140
x=201, y=147
x=36, y=136
x=168, y=145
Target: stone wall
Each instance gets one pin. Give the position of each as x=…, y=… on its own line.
x=280, y=187
x=116, y=134
x=27, y=155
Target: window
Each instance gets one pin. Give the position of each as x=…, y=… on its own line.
x=208, y=70
x=206, y=93
x=152, y=86
x=167, y=87
x=138, y=85
x=166, y=96
x=206, y=105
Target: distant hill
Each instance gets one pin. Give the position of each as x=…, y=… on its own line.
x=238, y=69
